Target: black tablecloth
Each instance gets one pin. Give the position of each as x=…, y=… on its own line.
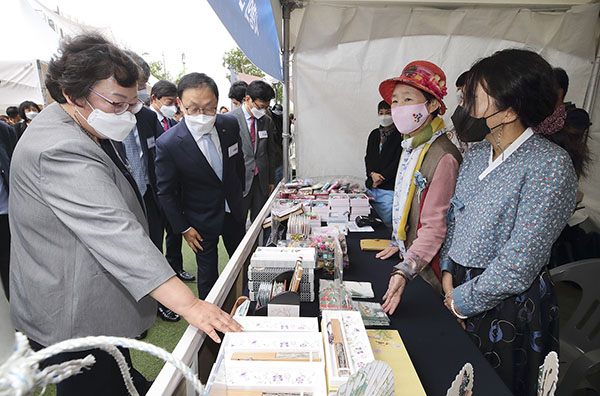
x=437, y=345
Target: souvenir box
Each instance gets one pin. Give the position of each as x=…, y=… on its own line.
x=274, y=324
x=283, y=257
x=355, y=350
x=273, y=363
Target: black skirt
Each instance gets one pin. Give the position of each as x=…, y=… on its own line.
x=516, y=335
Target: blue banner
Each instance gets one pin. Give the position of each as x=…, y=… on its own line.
x=252, y=26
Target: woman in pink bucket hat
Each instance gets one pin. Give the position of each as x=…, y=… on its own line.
x=425, y=179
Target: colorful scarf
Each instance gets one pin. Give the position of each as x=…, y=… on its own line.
x=414, y=150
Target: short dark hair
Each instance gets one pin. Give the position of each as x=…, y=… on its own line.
x=142, y=64
x=562, y=80
x=24, y=106
x=260, y=90
x=163, y=88
x=383, y=105
x=462, y=79
x=196, y=80
x=238, y=90
x=525, y=82
x=12, y=111
x=83, y=61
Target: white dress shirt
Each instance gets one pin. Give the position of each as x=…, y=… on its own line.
x=203, y=146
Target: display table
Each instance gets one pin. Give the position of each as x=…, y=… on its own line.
x=437, y=345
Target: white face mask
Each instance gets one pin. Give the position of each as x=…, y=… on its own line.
x=385, y=120
x=200, y=123
x=110, y=125
x=143, y=95
x=168, y=111
x=31, y=115
x=258, y=113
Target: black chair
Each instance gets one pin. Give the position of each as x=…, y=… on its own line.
x=580, y=335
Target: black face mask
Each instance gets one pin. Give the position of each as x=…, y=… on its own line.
x=469, y=128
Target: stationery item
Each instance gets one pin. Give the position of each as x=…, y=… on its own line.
x=353, y=227
x=548, y=375
x=277, y=288
x=375, y=379
x=356, y=289
x=263, y=295
x=372, y=313
x=298, y=227
x=374, y=244
x=463, y=383
x=335, y=337
x=283, y=310
x=240, y=308
x=388, y=347
x=331, y=298
x=295, y=283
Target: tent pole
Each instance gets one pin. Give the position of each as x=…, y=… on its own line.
x=590, y=95
x=286, y=8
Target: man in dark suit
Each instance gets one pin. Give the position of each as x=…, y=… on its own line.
x=8, y=140
x=257, y=132
x=200, y=176
x=140, y=149
x=164, y=104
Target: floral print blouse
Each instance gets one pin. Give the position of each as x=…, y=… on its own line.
x=507, y=221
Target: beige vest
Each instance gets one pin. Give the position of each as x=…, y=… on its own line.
x=440, y=147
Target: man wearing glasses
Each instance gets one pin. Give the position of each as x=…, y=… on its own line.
x=202, y=159
x=257, y=132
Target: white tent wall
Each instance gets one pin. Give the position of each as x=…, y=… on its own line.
x=343, y=52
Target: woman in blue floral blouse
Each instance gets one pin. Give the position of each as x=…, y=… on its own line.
x=515, y=191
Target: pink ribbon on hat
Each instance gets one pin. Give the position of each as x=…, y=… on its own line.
x=553, y=123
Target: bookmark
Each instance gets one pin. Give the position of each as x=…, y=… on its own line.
x=337, y=339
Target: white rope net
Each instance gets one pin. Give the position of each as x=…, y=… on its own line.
x=20, y=374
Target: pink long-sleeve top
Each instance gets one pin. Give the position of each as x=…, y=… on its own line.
x=433, y=218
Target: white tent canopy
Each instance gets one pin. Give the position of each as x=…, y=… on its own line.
x=28, y=39
x=343, y=50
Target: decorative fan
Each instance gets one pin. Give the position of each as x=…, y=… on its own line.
x=548, y=375
x=375, y=379
x=463, y=384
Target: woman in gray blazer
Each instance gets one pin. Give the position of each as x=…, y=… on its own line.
x=82, y=263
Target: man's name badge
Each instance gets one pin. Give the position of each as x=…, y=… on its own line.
x=151, y=142
x=233, y=150
x=263, y=134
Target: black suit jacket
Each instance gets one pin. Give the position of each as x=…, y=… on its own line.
x=149, y=129
x=189, y=190
x=386, y=162
x=8, y=140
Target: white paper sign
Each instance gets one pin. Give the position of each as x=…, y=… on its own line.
x=263, y=134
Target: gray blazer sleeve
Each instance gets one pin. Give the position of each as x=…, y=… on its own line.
x=79, y=187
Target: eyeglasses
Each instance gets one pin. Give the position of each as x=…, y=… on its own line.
x=211, y=111
x=121, y=107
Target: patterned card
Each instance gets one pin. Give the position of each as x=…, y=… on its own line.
x=548, y=375
x=463, y=384
x=388, y=347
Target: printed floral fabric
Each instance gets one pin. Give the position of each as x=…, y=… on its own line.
x=516, y=335
x=507, y=222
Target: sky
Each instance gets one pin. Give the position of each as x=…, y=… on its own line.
x=153, y=28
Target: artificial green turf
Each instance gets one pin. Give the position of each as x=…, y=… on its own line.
x=164, y=334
